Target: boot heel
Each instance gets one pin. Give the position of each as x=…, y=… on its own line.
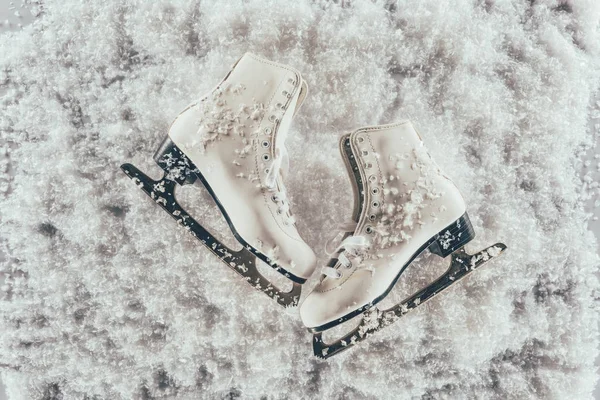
x=177, y=166
x=455, y=236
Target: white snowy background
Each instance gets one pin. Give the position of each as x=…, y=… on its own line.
x=104, y=296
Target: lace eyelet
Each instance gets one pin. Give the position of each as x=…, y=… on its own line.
x=372, y=217
x=361, y=139
x=279, y=105
x=267, y=171
x=372, y=178
x=274, y=199
x=291, y=81
x=369, y=230
x=279, y=212
x=272, y=118
x=375, y=204
x=265, y=144
x=268, y=131
x=266, y=157
x=365, y=153
x=375, y=190
x=339, y=274
x=368, y=165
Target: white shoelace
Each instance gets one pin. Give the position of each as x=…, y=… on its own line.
x=353, y=247
x=343, y=228
x=279, y=166
x=281, y=157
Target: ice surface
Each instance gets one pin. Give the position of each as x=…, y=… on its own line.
x=104, y=295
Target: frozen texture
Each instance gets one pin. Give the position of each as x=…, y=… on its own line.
x=104, y=295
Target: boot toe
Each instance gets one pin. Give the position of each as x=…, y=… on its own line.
x=298, y=259
x=310, y=313
x=328, y=304
x=317, y=310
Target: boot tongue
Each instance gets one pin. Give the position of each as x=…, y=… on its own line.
x=280, y=151
x=358, y=190
x=355, y=176
x=301, y=96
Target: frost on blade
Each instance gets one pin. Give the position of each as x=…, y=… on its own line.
x=371, y=321
x=494, y=251
x=446, y=239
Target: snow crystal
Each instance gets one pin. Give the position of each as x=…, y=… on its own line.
x=102, y=295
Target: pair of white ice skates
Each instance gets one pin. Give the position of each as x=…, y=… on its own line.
x=232, y=141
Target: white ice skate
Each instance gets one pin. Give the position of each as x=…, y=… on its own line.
x=404, y=205
x=232, y=141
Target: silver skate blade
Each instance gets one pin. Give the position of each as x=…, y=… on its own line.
x=242, y=261
x=374, y=319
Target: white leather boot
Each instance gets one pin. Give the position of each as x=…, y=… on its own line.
x=232, y=141
x=404, y=205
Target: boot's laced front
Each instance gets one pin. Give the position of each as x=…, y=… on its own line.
x=353, y=248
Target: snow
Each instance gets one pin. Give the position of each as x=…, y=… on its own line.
x=106, y=294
